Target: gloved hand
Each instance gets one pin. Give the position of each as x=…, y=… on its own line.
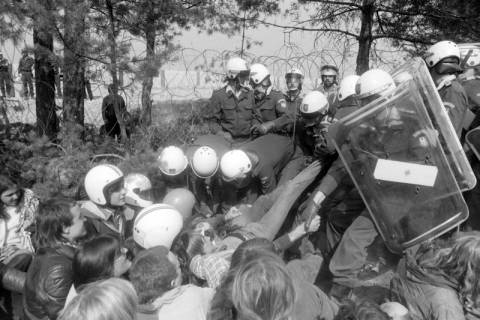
x=262, y=128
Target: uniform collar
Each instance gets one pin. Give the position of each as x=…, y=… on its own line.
x=231, y=91
x=446, y=81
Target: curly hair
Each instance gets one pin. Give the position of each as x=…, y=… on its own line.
x=462, y=263
x=362, y=310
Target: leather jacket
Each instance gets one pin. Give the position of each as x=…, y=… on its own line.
x=48, y=281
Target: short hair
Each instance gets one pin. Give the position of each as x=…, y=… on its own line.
x=362, y=310
x=53, y=215
x=152, y=273
x=95, y=260
x=112, y=299
x=263, y=290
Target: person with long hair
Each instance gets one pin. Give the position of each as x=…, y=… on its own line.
x=263, y=290
x=111, y=299
x=310, y=301
x=59, y=227
x=100, y=258
x=441, y=282
x=18, y=207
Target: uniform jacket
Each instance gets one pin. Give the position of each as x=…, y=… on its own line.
x=48, y=282
x=456, y=102
x=26, y=64
x=273, y=107
x=231, y=114
x=269, y=154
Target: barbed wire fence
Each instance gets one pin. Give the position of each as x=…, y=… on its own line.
x=191, y=77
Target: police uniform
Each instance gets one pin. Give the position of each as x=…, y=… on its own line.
x=472, y=89
x=332, y=97
x=455, y=101
x=273, y=107
x=268, y=154
x=25, y=68
x=208, y=191
x=4, y=77
x=230, y=113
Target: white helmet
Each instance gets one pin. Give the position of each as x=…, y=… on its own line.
x=347, y=87
x=204, y=162
x=374, y=81
x=172, y=161
x=234, y=163
x=258, y=73
x=440, y=51
x=294, y=71
x=313, y=103
x=137, y=186
x=98, y=179
x=236, y=65
x=157, y=225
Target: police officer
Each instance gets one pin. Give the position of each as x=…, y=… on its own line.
x=4, y=76
x=293, y=94
x=443, y=61
x=173, y=165
x=230, y=109
x=270, y=104
x=255, y=167
x=111, y=124
x=204, y=158
x=25, y=68
x=329, y=87
x=347, y=101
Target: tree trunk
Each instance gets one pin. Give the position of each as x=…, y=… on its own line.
x=147, y=82
x=113, y=69
x=47, y=120
x=365, y=38
x=74, y=66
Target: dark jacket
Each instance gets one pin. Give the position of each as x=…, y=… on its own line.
x=26, y=64
x=228, y=113
x=49, y=279
x=274, y=108
x=108, y=109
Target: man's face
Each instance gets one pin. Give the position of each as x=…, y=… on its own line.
x=11, y=197
x=293, y=82
x=328, y=80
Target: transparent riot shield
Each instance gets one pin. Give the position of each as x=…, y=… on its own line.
x=394, y=155
x=469, y=55
x=472, y=138
x=417, y=71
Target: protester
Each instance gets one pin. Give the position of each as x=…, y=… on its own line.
x=111, y=103
x=60, y=226
x=156, y=276
x=25, y=69
x=112, y=299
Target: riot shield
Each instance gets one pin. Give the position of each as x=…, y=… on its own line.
x=469, y=55
x=395, y=158
x=473, y=141
x=417, y=71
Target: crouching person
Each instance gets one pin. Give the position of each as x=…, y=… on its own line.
x=60, y=225
x=156, y=276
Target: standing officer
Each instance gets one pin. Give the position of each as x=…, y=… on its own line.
x=329, y=87
x=25, y=68
x=230, y=108
x=4, y=76
x=270, y=104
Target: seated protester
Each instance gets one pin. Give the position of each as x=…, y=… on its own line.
x=254, y=168
x=173, y=165
x=309, y=302
x=105, y=211
x=441, y=281
x=112, y=299
x=156, y=276
x=60, y=225
x=363, y=310
x=100, y=258
x=263, y=289
x=18, y=208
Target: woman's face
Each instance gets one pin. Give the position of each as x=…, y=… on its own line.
x=117, y=194
x=11, y=197
x=77, y=229
x=121, y=263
